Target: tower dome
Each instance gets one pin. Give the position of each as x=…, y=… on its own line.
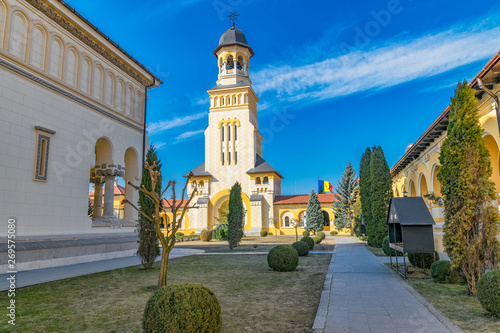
x=233, y=36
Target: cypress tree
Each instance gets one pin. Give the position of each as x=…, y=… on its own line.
x=347, y=190
x=148, y=248
x=235, y=216
x=471, y=225
x=381, y=193
x=365, y=185
x=314, y=215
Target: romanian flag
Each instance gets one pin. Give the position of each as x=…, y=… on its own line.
x=324, y=186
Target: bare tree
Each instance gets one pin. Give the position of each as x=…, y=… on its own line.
x=167, y=240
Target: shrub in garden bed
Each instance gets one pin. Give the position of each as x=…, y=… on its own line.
x=321, y=234
x=269, y=233
x=183, y=307
x=302, y=248
x=263, y=233
x=306, y=233
x=309, y=241
x=488, y=291
x=179, y=234
x=422, y=260
x=334, y=232
x=206, y=235
x=283, y=258
x=442, y=272
x=389, y=250
x=317, y=239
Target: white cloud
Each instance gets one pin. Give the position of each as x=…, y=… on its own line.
x=159, y=145
x=164, y=125
x=187, y=135
x=378, y=68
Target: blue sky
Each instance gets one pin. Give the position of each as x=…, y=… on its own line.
x=333, y=77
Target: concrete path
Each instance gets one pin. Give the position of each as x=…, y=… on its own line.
x=28, y=278
x=361, y=295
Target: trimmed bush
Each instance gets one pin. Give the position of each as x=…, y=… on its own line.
x=206, y=235
x=263, y=233
x=283, y=258
x=322, y=235
x=309, y=241
x=334, y=232
x=416, y=259
x=386, y=248
x=317, y=239
x=306, y=233
x=302, y=248
x=488, y=292
x=442, y=272
x=183, y=307
x=179, y=234
x=270, y=233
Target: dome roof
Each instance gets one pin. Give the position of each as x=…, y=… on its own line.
x=233, y=36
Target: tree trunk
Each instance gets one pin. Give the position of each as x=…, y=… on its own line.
x=162, y=281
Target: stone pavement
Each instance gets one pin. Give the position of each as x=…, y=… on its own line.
x=28, y=278
x=361, y=295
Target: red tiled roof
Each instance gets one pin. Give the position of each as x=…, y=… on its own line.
x=119, y=190
x=170, y=202
x=302, y=199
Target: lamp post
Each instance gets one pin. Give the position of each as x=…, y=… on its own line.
x=296, y=226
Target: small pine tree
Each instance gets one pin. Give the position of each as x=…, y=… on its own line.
x=381, y=194
x=347, y=190
x=235, y=216
x=148, y=249
x=357, y=226
x=314, y=215
x=365, y=185
x=471, y=223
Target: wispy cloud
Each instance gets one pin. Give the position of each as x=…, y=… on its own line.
x=186, y=135
x=378, y=68
x=159, y=145
x=164, y=125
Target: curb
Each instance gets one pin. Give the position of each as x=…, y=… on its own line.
x=454, y=328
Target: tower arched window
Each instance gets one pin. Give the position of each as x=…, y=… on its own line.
x=257, y=181
x=194, y=184
x=265, y=180
x=230, y=63
x=235, y=132
x=202, y=184
x=240, y=63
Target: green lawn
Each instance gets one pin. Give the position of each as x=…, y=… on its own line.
x=253, y=297
x=453, y=301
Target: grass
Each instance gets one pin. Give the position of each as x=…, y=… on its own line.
x=453, y=301
x=253, y=297
x=377, y=251
x=264, y=244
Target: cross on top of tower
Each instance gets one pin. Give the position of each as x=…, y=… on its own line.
x=233, y=16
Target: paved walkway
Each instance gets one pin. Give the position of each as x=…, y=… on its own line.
x=28, y=278
x=361, y=295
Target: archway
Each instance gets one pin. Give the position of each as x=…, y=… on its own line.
x=103, y=159
x=435, y=184
x=219, y=198
x=422, y=187
x=492, y=147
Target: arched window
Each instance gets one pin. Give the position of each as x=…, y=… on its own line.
x=257, y=181
x=110, y=89
x=240, y=63
x=85, y=75
x=228, y=100
x=120, y=92
x=246, y=98
x=303, y=219
x=222, y=133
x=130, y=102
x=235, y=125
x=71, y=67
x=193, y=184
x=138, y=105
x=202, y=184
x=228, y=132
x=98, y=76
x=38, y=46
x=18, y=35
x=287, y=222
x=216, y=101
x=3, y=19
x=230, y=63
x=55, y=58
x=234, y=101
x=222, y=100
x=266, y=180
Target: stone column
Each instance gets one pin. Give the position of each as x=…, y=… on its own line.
x=235, y=62
x=109, y=195
x=128, y=210
x=97, y=199
x=224, y=71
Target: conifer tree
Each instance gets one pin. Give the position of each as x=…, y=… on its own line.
x=356, y=209
x=235, y=216
x=381, y=193
x=471, y=223
x=365, y=185
x=347, y=190
x=148, y=249
x=314, y=215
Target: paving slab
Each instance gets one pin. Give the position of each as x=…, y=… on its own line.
x=37, y=276
x=363, y=296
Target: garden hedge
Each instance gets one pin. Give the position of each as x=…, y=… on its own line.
x=442, y=272
x=488, y=291
x=334, y=232
x=183, y=307
x=302, y=248
x=417, y=259
x=283, y=258
x=309, y=241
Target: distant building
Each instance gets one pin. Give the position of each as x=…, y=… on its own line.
x=72, y=113
x=118, y=196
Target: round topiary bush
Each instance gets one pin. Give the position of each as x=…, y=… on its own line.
x=302, y=248
x=334, y=232
x=309, y=241
x=306, y=233
x=321, y=234
x=422, y=260
x=206, y=235
x=283, y=258
x=442, y=272
x=317, y=239
x=263, y=233
x=488, y=292
x=183, y=307
x=179, y=234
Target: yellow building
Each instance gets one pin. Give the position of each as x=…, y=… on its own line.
x=118, y=196
x=233, y=152
x=415, y=173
